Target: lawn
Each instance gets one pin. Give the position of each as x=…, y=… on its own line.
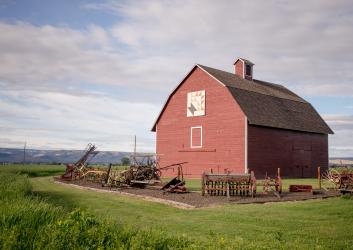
x=320, y=224
x=33, y=170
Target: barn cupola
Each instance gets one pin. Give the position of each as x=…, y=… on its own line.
x=244, y=68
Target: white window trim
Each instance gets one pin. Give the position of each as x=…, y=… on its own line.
x=191, y=141
x=187, y=98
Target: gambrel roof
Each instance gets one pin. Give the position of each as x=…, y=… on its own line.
x=267, y=104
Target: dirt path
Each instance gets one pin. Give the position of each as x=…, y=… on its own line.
x=194, y=199
x=147, y=198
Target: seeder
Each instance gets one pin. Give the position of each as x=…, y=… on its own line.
x=229, y=184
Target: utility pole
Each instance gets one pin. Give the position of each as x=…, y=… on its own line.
x=24, y=153
x=135, y=147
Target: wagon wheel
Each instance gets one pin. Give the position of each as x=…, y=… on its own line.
x=331, y=180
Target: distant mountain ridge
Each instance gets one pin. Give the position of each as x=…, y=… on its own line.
x=11, y=155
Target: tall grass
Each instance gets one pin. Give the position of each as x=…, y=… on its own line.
x=33, y=170
x=28, y=222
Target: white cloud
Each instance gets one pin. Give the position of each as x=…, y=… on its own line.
x=57, y=120
x=308, y=46
x=54, y=58
x=52, y=75
x=341, y=144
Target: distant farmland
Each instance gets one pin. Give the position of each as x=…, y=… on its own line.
x=10, y=155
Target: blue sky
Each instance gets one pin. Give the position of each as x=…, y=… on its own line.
x=74, y=72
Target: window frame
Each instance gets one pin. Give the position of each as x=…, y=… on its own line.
x=191, y=137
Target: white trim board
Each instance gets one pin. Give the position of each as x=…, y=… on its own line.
x=191, y=141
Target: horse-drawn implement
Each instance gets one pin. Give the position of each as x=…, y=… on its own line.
x=229, y=184
x=80, y=170
x=177, y=184
x=338, y=179
x=143, y=171
x=232, y=184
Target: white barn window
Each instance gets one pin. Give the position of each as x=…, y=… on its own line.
x=196, y=137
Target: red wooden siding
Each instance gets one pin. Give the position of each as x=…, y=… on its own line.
x=223, y=130
x=297, y=153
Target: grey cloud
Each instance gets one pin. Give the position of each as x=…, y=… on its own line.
x=341, y=143
x=296, y=43
x=307, y=46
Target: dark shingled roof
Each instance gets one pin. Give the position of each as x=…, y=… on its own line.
x=271, y=105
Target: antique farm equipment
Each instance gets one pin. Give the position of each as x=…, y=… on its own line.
x=229, y=184
x=79, y=169
x=93, y=174
x=114, y=178
x=341, y=180
x=273, y=185
x=143, y=171
x=300, y=188
x=177, y=184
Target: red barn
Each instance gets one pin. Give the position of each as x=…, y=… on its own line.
x=231, y=122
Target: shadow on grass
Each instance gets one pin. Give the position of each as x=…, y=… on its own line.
x=57, y=198
x=42, y=173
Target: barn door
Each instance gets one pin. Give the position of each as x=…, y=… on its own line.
x=302, y=163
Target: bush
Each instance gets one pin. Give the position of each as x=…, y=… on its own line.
x=27, y=222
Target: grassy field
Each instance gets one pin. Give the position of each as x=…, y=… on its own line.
x=316, y=224
x=33, y=170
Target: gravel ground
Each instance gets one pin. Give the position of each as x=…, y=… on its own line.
x=197, y=200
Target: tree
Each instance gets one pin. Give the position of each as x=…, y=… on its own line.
x=125, y=161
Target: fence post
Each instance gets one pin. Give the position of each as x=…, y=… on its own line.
x=319, y=176
x=203, y=184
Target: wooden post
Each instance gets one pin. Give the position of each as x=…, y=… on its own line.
x=278, y=172
x=319, y=176
x=203, y=184
x=227, y=183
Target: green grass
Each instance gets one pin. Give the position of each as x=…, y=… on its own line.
x=315, y=224
x=309, y=224
x=29, y=222
x=33, y=170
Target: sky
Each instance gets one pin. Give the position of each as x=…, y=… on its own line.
x=73, y=72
